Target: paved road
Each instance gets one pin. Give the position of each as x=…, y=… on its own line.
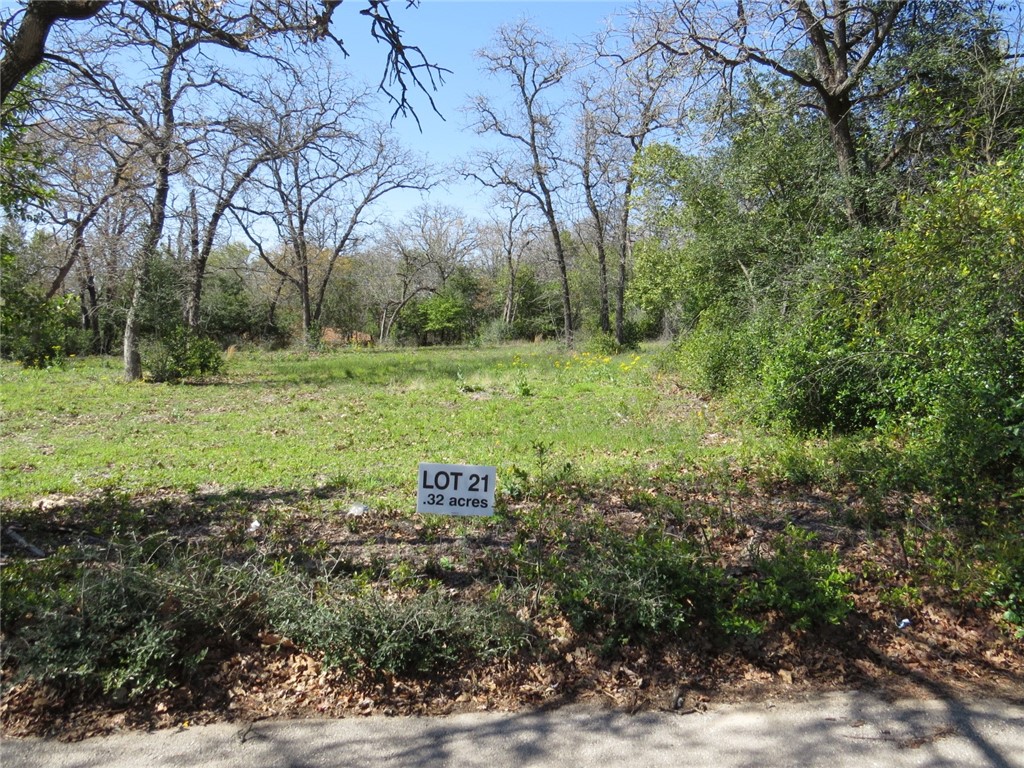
x=849, y=729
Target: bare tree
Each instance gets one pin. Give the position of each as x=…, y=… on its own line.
x=597, y=164
x=506, y=239
x=841, y=39
x=24, y=39
x=92, y=165
x=159, y=117
x=226, y=156
x=246, y=27
x=113, y=238
x=395, y=273
x=647, y=90
x=531, y=163
x=444, y=236
x=333, y=165
x=98, y=174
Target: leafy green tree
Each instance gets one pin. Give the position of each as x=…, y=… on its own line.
x=35, y=331
x=950, y=85
x=536, y=309
x=854, y=64
x=231, y=308
x=20, y=162
x=450, y=316
x=737, y=234
x=945, y=308
x=826, y=49
x=446, y=317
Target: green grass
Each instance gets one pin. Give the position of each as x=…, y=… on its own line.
x=617, y=519
x=357, y=419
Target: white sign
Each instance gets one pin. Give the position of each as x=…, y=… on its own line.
x=455, y=489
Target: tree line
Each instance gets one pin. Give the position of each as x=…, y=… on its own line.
x=142, y=149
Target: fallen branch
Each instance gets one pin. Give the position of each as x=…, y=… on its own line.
x=32, y=549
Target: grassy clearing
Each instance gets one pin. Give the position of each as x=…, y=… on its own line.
x=634, y=531
x=359, y=420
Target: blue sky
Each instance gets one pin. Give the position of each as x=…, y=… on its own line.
x=450, y=32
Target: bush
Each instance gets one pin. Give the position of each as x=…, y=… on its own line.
x=722, y=350
x=496, y=331
x=183, y=354
x=601, y=344
x=798, y=583
x=944, y=308
x=42, y=334
x=95, y=626
x=36, y=332
x=630, y=588
x=230, y=313
x=822, y=373
x=421, y=635
x=144, y=618
x=361, y=630
x=974, y=562
x=638, y=329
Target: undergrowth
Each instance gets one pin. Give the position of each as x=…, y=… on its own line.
x=137, y=615
x=140, y=619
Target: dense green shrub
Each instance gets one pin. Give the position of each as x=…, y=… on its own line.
x=945, y=304
x=796, y=582
x=40, y=333
x=631, y=588
x=35, y=331
x=450, y=316
x=917, y=332
x=822, y=372
x=598, y=343
x=446, y=317
x=182, y=354
x=231, y=313
x=722, y=350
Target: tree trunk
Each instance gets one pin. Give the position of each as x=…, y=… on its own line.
x=92, y=311
x=272, y=310
x=508, y=312
x=198, y=264
x=602, y=268
x=132, y=356
x=157, y=216
x=624, y=252
x=837, y=111
x=563, y=273
x=620, y=291
x=200, y=255
x=556, y=239
x=195, y=293
x=602, y=255
x=307, y=307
